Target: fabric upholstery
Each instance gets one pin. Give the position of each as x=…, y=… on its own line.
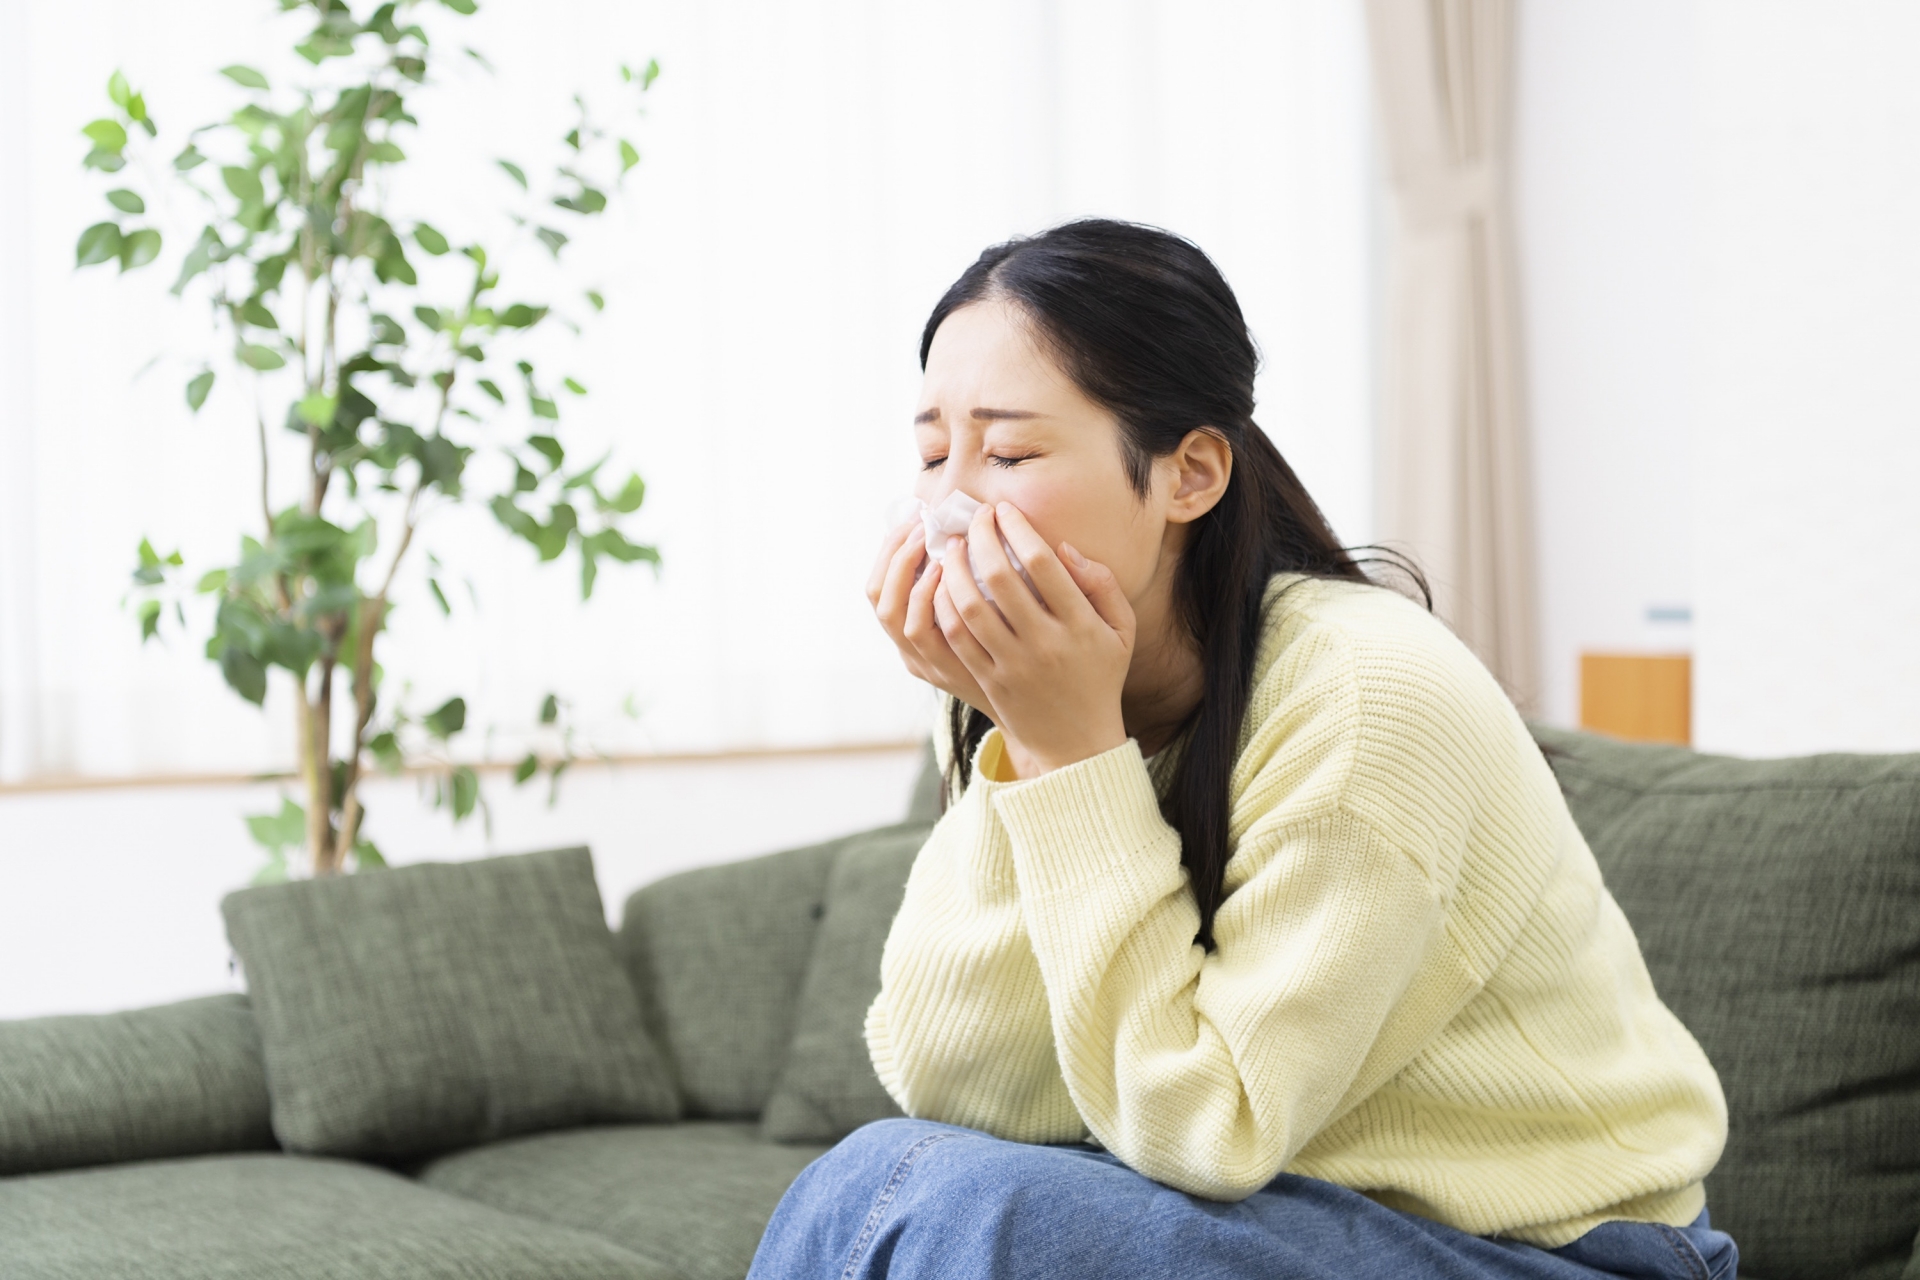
x=717, y=955
x=828, y=1088
x=694, y=1197
x=287, y=1217
x=1777, y=903
x=181, y=1079
x=441, y=1005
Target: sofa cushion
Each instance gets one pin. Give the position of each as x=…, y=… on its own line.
x=717, y=955
x=441, y=1005
x=1777, y=903
x=181, y=1079
x=827, y=1088
x=694, y=1197
x=289, y=1217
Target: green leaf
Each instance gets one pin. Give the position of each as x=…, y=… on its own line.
x=211, y=581
x=277, y=832
x=429, y=239
x=190, y=158
x=548, y=448
x=551, y=538
x=491, y=388
x=543, y=407
x=255, y=356
x=551, y=238
x=126, y=201
x=439, y=597
x=573, y=386
x=384, y=152
x=244, y=673
x=108, y=135
x=515, y=172
x=367, y=857
x=244, y=183
x=461, y=6
x=628, y=500
x=149, y=619
x=526, y=769
x=386, y=751
x=137, y=111
x=522, y=316
x=387, y=331
x=254, y=312
x=430, y=318
x=463, y=783
x=98, y=243
x=317, y=410
x=117, y=89
x=140, y=248
x=651, y=74
x=197, y=389
x=629, y=157
x=245, y=77
x=590, y=200
x=103, y=160
x=596, y=300
x=449, y=718
x=549, y=708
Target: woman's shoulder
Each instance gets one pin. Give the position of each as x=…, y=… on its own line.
x=1375, y=689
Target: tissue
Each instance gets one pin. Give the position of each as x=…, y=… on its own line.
x=952, y=517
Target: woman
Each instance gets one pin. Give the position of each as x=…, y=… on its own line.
x=1256, y=939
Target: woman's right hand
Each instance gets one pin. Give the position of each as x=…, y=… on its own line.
x=905, y=609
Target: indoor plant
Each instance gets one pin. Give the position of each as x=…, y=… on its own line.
x=393, y=373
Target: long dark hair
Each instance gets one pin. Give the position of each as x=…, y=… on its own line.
x=1145, y=325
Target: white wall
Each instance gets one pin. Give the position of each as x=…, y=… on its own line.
x=1719, y=206
x=1808, y=440
x=815, y=173
x=1605, y=196
x=111, y=898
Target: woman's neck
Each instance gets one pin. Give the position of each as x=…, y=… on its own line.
x=1166, y=680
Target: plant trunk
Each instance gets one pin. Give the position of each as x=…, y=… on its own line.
x=316, y=767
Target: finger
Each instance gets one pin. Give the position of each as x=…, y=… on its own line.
x=975, y=611
x=889, y=545
x=898, y=582
x=920, y=627
x=1057, y=589
x=961, y=641
x=1101, y=589
x=1023, y=613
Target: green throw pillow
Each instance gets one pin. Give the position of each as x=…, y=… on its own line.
x=443, y=1005
x=179, y=1080
x=1777, y=903
x=827, y=1088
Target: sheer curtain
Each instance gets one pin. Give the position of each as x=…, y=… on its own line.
x=814, y=172
x=1454, y=482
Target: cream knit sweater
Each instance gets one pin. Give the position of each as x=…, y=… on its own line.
x=1421, y=989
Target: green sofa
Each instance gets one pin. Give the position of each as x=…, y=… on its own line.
x=1777, y=902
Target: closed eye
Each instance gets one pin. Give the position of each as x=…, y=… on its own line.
x=1002, y=460
x=931, y=463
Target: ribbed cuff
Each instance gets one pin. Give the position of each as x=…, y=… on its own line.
x=1097, y=820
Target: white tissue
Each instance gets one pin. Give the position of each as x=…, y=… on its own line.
x=952, y=518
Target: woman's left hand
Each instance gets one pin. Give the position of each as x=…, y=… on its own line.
x=1052, y=667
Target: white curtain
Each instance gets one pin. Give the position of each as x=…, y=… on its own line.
x=1453, y=473
x=814, y=173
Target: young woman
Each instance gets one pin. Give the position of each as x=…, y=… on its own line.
x=1256, y=940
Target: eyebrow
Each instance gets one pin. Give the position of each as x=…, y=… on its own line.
x=982, y=415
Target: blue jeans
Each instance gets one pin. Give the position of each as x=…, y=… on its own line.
x=911, y=1198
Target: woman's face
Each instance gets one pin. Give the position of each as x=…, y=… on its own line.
x=999, y=420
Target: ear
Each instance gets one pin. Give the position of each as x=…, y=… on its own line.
x=1203, y=463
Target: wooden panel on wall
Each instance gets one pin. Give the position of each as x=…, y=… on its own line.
x=1637, y=696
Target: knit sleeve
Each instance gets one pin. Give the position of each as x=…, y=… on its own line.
x=1209, y=1071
